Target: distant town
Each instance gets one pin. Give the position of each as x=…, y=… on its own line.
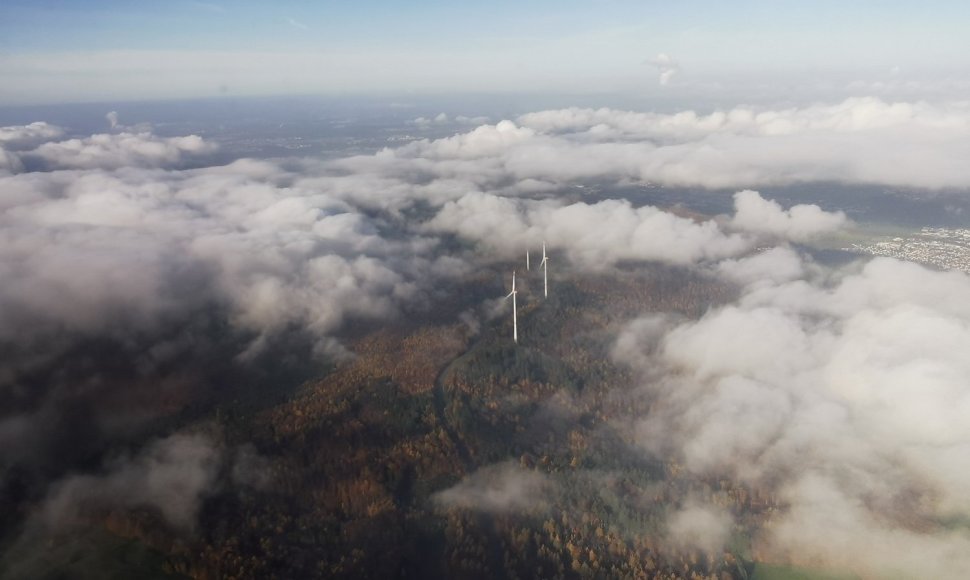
x=941, y=247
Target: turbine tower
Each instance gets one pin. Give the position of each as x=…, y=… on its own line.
x=545, y=272
x=527, y=260
x=515, y=322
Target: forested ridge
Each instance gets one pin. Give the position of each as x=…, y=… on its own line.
x=351, y=466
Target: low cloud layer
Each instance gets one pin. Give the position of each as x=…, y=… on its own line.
x=699, y=526
x=22, y=137
x=99, y=249
x=844, y=396
x=170, y=475
x=499, y=488
x=601, y=234
x=861, y=140
x=119, y=150
x=840, y=390
x=38, y=146
x=801, y=223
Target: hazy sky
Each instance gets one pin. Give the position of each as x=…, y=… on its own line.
x=61, y=51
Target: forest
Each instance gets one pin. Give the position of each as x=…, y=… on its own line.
x=359, y=472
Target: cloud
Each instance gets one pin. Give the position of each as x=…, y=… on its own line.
x=772, y=266
x=800, y=223
x=204, y=266
x=10, y=162
x=843, y=394
x=94, y=246
x=296, y=24
x=503, y=487
x=106, y=151
x=112, y=117
x=861, y=140
x=439, y=119
x=857, y=141
x=22, y=137
x=592, y=235
x=170, y=475
x=465, y=120
x=607, y=232
x=666, y=66
x=113, y=238
x=699, y=526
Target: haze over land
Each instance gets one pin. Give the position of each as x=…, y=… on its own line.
x=265, y=337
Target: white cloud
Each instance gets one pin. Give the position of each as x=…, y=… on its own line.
x=699, y=526
x=799, y=223
x=592, y=235
x=844, y=395
x=810, y=381
x=503, y=487
x=861, y=140
x=170, y=475
x=21, y=137
x=601, y=234
x=773, y=266
x=120, y=150
x=667, y=67
x=297, y=24
x=89, y=250
x=10, y=162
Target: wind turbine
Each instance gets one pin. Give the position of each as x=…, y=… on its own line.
x=545, y=272
x=515, y=322
x=527, y=260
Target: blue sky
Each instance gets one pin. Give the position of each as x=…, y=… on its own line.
x=64, y=50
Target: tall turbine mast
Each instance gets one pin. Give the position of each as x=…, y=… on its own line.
x=545, y=272
x=527, y=260
x=515, y=322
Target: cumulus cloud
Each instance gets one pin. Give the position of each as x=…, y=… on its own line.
x=666, y=67
x=37, y=145
x=111, y=236
x=439, y=119
x=699, y=526
x=96, y=246
x=106, y=151
x=861, y=140
x=504, y=487
x=843, y=395
x=18, y=138
x=800, y=223
x=204, y=265
x=772, y=266
x=592, y=235
x=466, y=120
x=170, y=475
x=10, y=162
x=21, y=137
x=611, y=231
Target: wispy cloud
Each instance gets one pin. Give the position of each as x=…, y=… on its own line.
x=297, y=24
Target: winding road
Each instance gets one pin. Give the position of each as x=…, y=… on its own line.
x=496, y=561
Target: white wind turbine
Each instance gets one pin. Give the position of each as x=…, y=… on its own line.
x=515, y=322
x=527, y=260
x=545, y=272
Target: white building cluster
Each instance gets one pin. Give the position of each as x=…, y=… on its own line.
x=940, y=247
